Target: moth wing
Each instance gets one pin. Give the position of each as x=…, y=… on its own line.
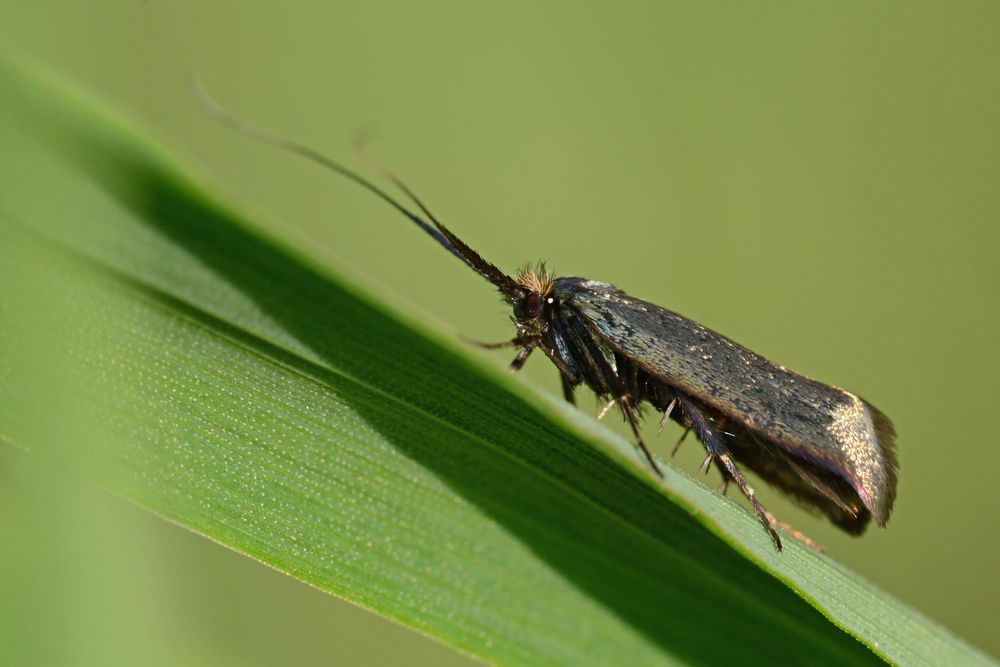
x=825, y=426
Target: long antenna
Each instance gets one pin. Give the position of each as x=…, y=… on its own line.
x=438, y=231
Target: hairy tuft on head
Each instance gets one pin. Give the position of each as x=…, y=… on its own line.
x=538, y=279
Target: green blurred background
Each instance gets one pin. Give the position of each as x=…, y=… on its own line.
x=818, y=183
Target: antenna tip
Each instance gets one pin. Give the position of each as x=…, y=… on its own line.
x=203, y=99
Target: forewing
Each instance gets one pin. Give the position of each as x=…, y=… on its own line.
x=828, y=426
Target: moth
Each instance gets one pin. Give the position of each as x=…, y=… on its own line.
x=825, y=447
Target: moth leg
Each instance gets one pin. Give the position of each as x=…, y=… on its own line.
x=720, y=453
x=527, y=345
x=680, y=440
x=516, y=342
x=610, y=404
x=567, y=371
x=706, y=465
x=666, y=416
x=797, y=534
x=632, y=415
x=522, y=356
x=568, y=389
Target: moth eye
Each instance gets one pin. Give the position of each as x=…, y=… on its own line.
x=532, y=305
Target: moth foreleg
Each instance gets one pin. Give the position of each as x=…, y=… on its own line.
x=718, y=451
x=516, y=342
x=527, y=345
x=522, y=356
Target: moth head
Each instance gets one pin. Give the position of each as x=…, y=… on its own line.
x=536, y=295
